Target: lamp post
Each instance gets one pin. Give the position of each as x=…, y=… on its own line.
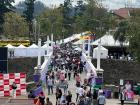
x=38, y=68
x=98, y=69
x=35, y=28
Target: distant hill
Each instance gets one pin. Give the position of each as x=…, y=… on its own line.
x=38, y=8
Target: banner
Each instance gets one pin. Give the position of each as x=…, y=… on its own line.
x=88, y=35
x=6, y=81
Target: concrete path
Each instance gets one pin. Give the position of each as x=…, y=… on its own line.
x=72, y=88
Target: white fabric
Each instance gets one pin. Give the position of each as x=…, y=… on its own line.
x=108, y=40
x=103, y=51
x=21, y=46
x=79, y=42
x=33, y=46
x=71, y=38
x=32, y=50
x=88, y=66
x=21, y=51
x=10, y=46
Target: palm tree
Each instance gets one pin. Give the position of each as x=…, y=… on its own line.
x=121, y=33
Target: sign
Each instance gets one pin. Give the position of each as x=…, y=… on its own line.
x=15, y=42
x=6, y=81
x=121, y=82
x=88, y=35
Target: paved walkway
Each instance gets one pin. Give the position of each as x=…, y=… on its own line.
x=72, y=88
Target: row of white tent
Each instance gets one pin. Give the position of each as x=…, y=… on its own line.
x=31, y=51
x=106, y=40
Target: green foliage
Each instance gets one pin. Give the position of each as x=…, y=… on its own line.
x=67, y=20
x=121, y=32
x=28, y=14
x=134, y=34
x=15, y=26
x=94, y=18
x=5, y=6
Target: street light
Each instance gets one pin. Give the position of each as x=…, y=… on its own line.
x=37, y=25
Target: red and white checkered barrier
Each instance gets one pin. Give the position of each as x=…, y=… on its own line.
x=6, y=80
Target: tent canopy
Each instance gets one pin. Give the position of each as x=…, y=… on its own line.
x=108, y=40
x=102, y=48
x=103, y=52
x=21, y=46
x=44, y=46
x=10, y=46
x=33, y=46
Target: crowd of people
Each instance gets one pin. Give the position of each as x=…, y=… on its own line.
x=66, y=65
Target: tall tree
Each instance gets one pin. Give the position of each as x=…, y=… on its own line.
x=39, y=7
x=80, y=8
x=29, y=14
x=67, y=13
x=15, y=26
x=5, y=6
x=121, y=32
x=134, y=33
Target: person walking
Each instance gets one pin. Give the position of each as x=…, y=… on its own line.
x=14, y=87
x=139, y=100
x=69, y=74
x=78, y=80
x=68, y=98
x=101, y=99
x=50, y=85
x=122, y=97
x=58, y=95
x=48, y=102
x=41, y=98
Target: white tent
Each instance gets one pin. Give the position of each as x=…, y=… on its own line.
x=11, y=49
x=103, y=52
x=108, y=40
x=49, y=49
x=21, y=50
x=32, y=50
x=9, y=46
x=44, y=49
x=21, y=46
x=71, y=38
x=79, y=42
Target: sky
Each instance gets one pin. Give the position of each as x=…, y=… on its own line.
x=110, y=4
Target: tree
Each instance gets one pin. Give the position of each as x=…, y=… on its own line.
x=94, y=18
x=68, y=18
x=134, y=34
x=15, y=26
x=121, y=32
x=39, y=7
x=80, y=8
x=51, y=22
x=5, y=6
x=29, y=14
